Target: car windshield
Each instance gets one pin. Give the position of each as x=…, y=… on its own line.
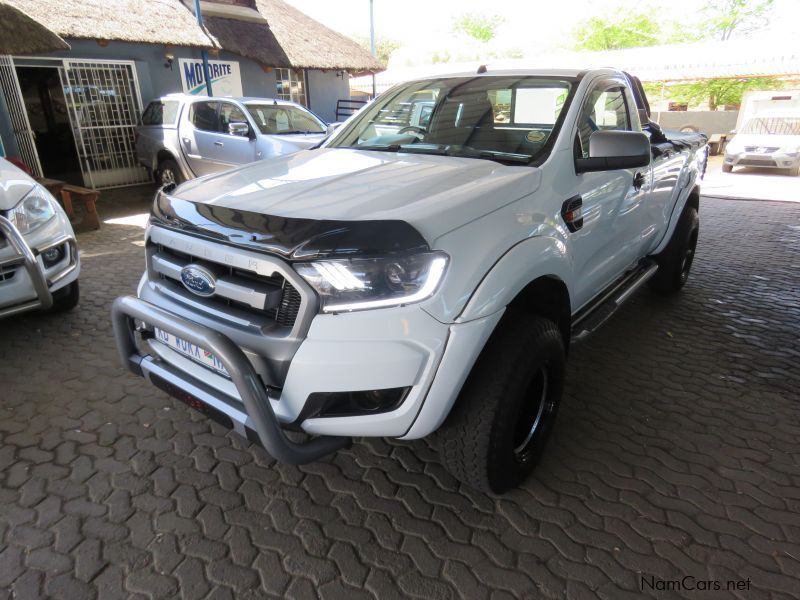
x=283, y=119
x=773, y=125
x=504, y=118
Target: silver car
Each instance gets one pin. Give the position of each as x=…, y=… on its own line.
x=182, y=137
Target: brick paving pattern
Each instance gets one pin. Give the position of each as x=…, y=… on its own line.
x=676, y=453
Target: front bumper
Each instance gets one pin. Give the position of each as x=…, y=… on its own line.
x=773, y=160
x=369, y=350
x=32, y=284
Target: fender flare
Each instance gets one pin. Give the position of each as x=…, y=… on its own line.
x=542, y=256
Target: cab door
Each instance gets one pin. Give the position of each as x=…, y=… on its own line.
x=199, y=132
x=610, y=237
x=230, y=150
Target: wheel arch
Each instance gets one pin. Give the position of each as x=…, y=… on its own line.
x=546, y=296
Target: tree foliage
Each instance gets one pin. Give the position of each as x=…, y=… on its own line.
x=616, y=32
x=384, y=47
x=716, y=92
x=724, y=19
x=480, y=27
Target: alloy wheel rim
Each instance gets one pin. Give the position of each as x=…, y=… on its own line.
x=531, y=422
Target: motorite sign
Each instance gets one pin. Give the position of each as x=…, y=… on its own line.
x=224, y=74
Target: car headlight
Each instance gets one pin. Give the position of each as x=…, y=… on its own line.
x=362, y=283
x=33, y=211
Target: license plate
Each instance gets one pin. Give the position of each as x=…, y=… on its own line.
x=196, y=353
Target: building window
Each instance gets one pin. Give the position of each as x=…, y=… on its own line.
x=291, y=85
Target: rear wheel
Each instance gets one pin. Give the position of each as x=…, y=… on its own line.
x=168, y=172
x=66, y=298
x=727, y=168
x=675, y=261
x=498, y=428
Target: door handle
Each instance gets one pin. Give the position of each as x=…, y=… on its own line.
x=220, y=144
x=638, y=180
x=187, y=140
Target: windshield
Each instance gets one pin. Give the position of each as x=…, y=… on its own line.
x=282, y=119
x=773, y=125
x=508, y=119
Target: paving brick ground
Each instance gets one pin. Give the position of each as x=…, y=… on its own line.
x=676, y=453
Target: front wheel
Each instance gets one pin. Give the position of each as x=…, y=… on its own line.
x=168, y=172
x=498, y=428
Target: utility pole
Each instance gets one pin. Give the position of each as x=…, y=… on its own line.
x=204, y=52
x=372, y=42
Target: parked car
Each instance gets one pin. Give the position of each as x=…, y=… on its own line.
x=182, y=137
x=766, y=141
x=425, y=279
x=39, y=259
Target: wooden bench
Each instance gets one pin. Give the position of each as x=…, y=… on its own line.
x=88, y=197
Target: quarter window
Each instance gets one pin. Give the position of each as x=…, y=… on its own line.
x=204, y=115
x=605, y=109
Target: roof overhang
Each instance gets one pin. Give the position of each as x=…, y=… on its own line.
x=22, y=34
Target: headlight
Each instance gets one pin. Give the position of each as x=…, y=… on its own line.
x=35, y=209
x=362, y=283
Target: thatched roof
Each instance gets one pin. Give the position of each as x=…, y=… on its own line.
x=289, y=38
x=292, y=39
x=144, y=21
x=22, y=34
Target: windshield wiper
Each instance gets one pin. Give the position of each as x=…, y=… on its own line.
x=293, y=132
x=437, y=149
x=497, y=155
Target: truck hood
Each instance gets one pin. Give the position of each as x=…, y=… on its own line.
x=435, y=194
x=14, y=184
x=300, y=141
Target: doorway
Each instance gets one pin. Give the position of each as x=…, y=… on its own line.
x=46, y=106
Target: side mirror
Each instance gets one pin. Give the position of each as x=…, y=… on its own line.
x=610, y=150
x=333, y=127
x=238, y=128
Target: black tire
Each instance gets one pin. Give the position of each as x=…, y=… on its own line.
x=727, y=168
x=497, y=430
x=66, y=298
x=675, y=261
x=169, y=172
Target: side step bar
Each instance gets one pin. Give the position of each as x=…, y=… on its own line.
x=592, y=317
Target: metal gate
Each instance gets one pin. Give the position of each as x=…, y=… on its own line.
x=104, y=105
x=19, y=116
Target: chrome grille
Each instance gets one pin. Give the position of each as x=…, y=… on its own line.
x=761, y=149
x=271, y=297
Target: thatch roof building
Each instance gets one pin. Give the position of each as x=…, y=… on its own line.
x=285, y=37
x=22, y=34
x=143, y=21
x=290, y=39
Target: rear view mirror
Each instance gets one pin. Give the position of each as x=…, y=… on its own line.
x=609, y=150
x=240, y=129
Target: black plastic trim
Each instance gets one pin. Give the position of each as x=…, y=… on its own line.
x=288, y=237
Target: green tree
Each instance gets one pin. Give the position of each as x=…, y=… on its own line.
x=617, y=31
x=720, y=92
x=480, y=27
x=725, y=18
x=384, y=47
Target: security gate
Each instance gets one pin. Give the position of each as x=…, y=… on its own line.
x=19, y=116
x=104, y=105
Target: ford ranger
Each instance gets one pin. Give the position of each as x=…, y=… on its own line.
x=420, y=274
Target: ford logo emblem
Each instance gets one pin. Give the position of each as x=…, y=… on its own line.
x=198, y=280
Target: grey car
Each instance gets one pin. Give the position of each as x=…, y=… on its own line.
x=182, y=137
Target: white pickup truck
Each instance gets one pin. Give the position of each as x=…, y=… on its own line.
x=420, y=275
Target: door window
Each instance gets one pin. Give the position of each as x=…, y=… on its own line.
x=230, y=113
x=204, y=115
x=605, y=109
